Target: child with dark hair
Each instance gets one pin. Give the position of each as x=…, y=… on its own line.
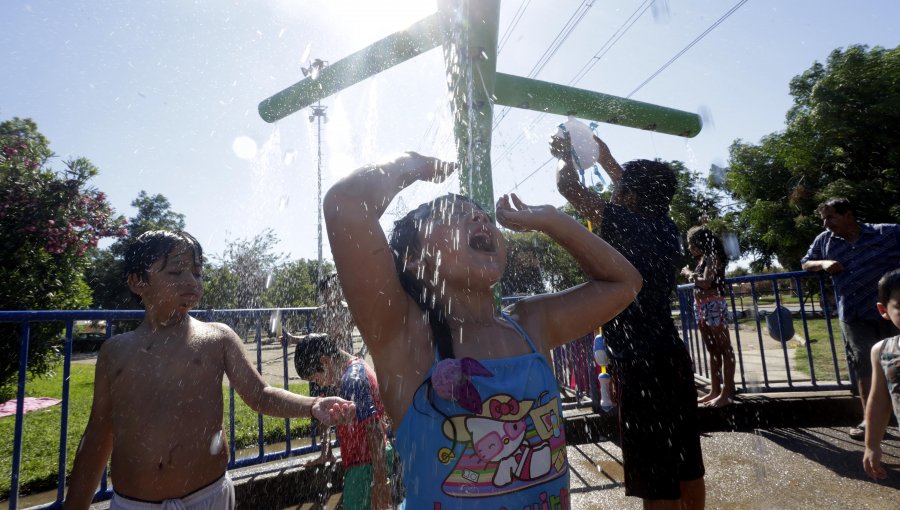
x=157, y=408
x=710, y=290
x=652, y=373
x=366, y=454
x=477, y=405
x=885, y=391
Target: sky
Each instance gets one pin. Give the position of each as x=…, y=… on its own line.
x=162, y=96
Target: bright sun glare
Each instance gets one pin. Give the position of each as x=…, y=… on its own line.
x=365, y=22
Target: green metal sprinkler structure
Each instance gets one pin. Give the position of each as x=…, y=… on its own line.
x=467, y=30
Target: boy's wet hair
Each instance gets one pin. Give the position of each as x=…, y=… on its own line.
x=840, y=205
x=144, y=250
x=653, y=184
x=307, y=356
x=888, y=286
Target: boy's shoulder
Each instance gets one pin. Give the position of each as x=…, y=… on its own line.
x=879, y=345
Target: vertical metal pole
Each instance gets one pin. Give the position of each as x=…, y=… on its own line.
x=24, y=336
x=319, y=113
x=64, y=412
x=470, y=52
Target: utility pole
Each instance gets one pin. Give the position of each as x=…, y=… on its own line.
x=318, y=115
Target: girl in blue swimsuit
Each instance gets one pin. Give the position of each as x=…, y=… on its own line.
x=470, y=390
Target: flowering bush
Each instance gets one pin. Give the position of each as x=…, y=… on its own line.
x=48, y=221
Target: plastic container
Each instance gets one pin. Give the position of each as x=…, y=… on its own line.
x=600, y=356
x=605, y=399
x=585, y=151
x=603, y=378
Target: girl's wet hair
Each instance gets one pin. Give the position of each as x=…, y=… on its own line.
x=144, y=250
x=404, y=243
x=708, y=243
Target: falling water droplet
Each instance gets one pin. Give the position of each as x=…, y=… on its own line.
x=706, y=116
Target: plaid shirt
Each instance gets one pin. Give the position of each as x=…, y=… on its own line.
x=865, y=261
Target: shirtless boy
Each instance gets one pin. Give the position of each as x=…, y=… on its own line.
x=158, y=404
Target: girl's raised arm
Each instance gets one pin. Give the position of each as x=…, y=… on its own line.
x=352, y=210
x=612, y=284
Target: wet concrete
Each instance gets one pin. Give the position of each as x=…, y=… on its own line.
x=781, y=451
x=785, y=468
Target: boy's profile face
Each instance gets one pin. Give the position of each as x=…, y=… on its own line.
x=330, y=375
x=891, y=309
x=172, y=282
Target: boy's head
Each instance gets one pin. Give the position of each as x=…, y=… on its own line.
x=155, y=247
x=647, y=187
x=889, y=296
x=318, y=359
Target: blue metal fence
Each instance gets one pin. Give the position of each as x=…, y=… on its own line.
x=762, y=363
x=255, y=319
x=766, y=361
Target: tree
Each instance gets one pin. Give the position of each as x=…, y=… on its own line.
x=840, y=140
x=153, y=213
x=536, y=264
x=294, y=284
x=246, y=270
x=105, y=274
x=48, y=221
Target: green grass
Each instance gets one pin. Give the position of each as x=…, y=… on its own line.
x=40, y=437
x=821, y=349
x=769, y=299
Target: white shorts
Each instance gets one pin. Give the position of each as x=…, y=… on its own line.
x=218, y=495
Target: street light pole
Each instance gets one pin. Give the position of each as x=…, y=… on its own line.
x=318, y=114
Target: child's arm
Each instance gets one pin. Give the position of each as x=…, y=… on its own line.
x=585, y=200
x=705, y=280
x=878, y=413
x=352, y=210
x=609, y=163
x=612, y=282
x=271, y=401
x=96, y=444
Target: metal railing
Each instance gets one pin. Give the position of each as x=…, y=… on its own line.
x=763, y=363
x=237, y=319
x=761, y=312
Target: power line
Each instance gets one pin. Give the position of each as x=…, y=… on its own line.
x=512, y=25
x=689, y=46
x=529, y=176
x=550, y=52
x=613, y=39
x=649, y=79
